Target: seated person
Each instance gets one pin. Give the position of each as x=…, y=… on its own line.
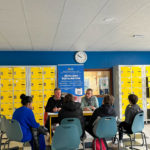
x=89, y=102
x=71, y=109
x=131, y=110
x=104, y=110
x=54, y=104
x=24, y=115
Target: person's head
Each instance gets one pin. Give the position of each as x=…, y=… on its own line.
x=26, y=101
x=89, y=93
x=133, y=99
x=57, y=93
x=68, y=98
x=108, y=99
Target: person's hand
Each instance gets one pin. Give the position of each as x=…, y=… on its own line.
x=86, y=109
x=55, y=109
x=93, y=108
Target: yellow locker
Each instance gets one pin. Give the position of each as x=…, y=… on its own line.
x=136, y=71
x=39, y=118
x=20, y=85
x=49, y=72
x=6, y=85
x=36, y=72
x=6, y=73
x=36, y=84
x=48, y=94
x=6, y=97
x=137, y=91
x=125, y=92
x=147, y=70
x=37, y=96
x=125, y=82
x=38, y=107
x=136, y=82
x=17, y=105
x=19, y=72
x=148, y=103
x=49, y=84
x=7, y=109
x=17, y=95
x=125, y=72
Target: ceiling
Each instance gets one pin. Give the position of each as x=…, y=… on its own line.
x=73, y=25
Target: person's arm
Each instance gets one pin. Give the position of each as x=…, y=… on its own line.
x=84, y=105
x=96, y=102
x=31, y=120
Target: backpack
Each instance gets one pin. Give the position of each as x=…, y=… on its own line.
x=99, y=144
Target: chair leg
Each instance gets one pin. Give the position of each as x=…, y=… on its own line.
x=145, y=140
x=131, y=142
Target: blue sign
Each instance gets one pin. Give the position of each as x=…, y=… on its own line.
x=71, y=79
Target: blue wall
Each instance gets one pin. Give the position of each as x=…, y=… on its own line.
x=95, y=59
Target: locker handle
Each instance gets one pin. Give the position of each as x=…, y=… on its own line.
x=22, y=72
x=44, y=72
x=31, y=84
x=44, y=84
x=40, y=84
x=40, y=107
x=9, y=84
x=39, y=72
x=9, y=73
x=9, y=96
x=1, y=97
x=22, y=84
x=10, y=108
x=40, y=95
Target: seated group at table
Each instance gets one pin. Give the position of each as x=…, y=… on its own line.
x=66, y=108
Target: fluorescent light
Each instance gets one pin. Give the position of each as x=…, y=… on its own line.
x=138, y=36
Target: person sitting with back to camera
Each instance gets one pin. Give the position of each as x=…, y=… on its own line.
x=71, y=109
x=106, y=109
x=32, y=131
x=131, y=110
x=54, y=104
x=89, y=102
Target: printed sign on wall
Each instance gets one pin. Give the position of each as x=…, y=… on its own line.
x=71, y=79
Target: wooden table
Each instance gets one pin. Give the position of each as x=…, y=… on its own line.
x=54, y=115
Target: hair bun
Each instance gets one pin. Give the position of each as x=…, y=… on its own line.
x=22, y=96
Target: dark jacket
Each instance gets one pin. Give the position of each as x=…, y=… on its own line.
x=71, y=110
x=53, y=103
x=103, y=111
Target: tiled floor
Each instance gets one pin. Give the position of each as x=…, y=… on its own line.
x=113, y=146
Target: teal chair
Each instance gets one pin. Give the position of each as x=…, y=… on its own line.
x=2, y=129
x=77, y=122
x=13, y=132
x=106, y=127
x=66, y=137
x=137, y=127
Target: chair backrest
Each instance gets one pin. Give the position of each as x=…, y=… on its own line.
x=75, y=121
x=13, y=130
x=2, y=123
x=66, y=137
x=138, y=123
x=106, y=127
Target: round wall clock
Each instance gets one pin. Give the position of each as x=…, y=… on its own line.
x=81, y=57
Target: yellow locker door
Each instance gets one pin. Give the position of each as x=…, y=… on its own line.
x=125, y=71
x=6, y=85
x=137, y=82
x=7, y=109
x=125, y=92
x=137, y=91
x=148, y=103
x=17, y=105
x=36, y=72
x=37, y=96
x=136, y=71
x=19, y=72
x=6, y=97
x=38, y=107
x=20, y=85
x=125, y=82
x=36, y=84
x=49, y=84
x=147, y=71
x=6, y=73
x=17, y=95
x=39, y=118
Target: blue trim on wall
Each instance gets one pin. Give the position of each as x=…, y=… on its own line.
x=95, y=59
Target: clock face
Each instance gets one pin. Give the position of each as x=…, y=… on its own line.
x=81, y=57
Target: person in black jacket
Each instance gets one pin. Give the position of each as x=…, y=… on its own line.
x=54, y=104
x=104, y=110
x=71, y=109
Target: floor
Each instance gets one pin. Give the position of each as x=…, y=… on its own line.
x=89, y=140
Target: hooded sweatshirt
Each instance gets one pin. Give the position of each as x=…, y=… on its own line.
x=71, y=110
